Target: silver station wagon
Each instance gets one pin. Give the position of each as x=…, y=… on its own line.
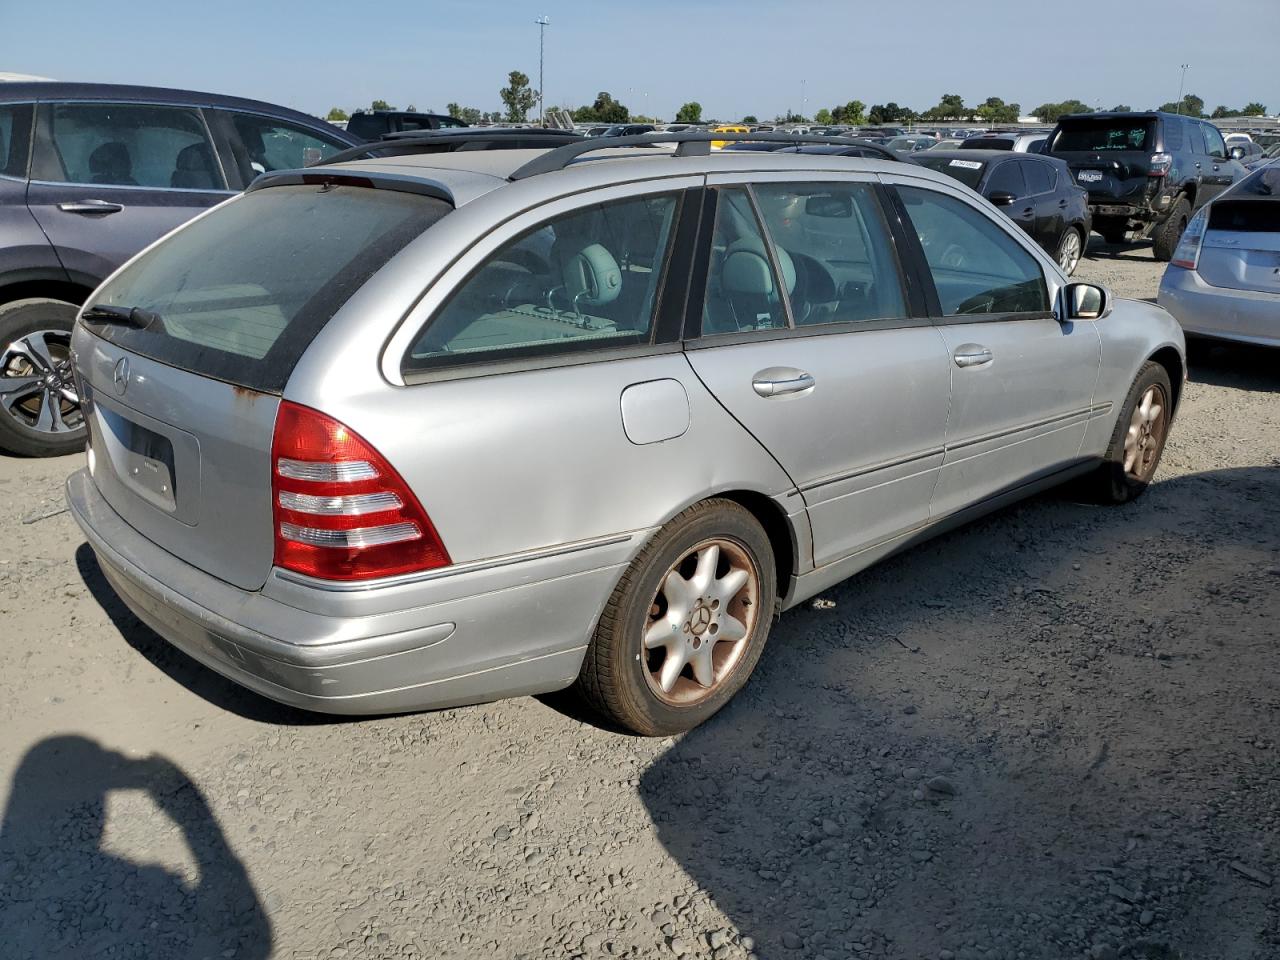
x=422, y=430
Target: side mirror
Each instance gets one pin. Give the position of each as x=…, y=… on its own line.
x=1237, y=153
x=1002, y=198
x=1085, y=301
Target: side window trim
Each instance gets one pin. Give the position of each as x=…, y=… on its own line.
x=784, y=295
x=23, y=134
x=911, y=242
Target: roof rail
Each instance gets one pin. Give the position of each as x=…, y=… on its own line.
x=453, y=138
x=689, y=144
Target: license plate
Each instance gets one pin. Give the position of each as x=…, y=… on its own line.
x=1089, y=176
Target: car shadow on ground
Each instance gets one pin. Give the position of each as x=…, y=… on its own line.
x=1238, y=366
x=180, y=668
x=999, y=745
x=64, y=894
x=1128, y=252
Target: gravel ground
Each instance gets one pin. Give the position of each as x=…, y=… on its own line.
x=1051, y=734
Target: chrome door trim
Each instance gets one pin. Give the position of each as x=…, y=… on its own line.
x=863, y=471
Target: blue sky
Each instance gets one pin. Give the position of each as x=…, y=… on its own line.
x=748, y=56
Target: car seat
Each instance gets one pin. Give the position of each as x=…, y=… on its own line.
x=110, y=163
x=193, y=169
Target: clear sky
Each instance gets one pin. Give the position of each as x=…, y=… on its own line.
x=733, y=56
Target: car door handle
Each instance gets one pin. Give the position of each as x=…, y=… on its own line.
x=91, y=206
x=778, y=382
x=972, y=355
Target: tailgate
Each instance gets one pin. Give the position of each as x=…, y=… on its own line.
x=1108, y=179
x=1241, y=260
x=202, y=490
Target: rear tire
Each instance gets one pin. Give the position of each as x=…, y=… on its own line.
x=1166, y=236
x=1137, y=442
x=719, y=629
x=39, y=410
x=1070, y=250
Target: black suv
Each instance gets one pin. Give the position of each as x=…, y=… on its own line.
x=89, y=175
x=375, y=124
x=1146, y=173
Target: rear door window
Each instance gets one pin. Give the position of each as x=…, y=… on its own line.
x=126, y=145
x=743, y=292
x=1006, y=178
x=586, y=280
x=1041, y=178
x=977, y=267
x=241, y=292
x=15, y=128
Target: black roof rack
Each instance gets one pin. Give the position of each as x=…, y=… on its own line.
x=689, y=144
x=455, y=138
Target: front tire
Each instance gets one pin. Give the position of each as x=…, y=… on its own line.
x=1166, y=236
x=1138, y=440
x=40, y=412
x=686, y=625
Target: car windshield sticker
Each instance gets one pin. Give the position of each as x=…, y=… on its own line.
x=967, y=164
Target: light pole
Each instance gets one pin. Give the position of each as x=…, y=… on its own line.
x=542, y=23
x=1182, y=84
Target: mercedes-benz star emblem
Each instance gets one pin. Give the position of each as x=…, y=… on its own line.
x=120, y=376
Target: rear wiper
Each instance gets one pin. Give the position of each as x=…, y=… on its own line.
x=125, y=316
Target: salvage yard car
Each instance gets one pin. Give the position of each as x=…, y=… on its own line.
x=386, y=435
x=89, y=175
x=1223, y=282
x=1146, y=173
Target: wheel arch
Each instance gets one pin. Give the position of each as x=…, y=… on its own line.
x=777, y=527
x=1169, y=358
x=43, y=287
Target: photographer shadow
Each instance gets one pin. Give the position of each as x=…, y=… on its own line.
x=68, y=896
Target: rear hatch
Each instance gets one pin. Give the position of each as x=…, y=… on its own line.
x=1109, y=156
x=181, y=410
x=1241, y=248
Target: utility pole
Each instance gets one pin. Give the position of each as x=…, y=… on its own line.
x=542, y=23
x=1182, y=85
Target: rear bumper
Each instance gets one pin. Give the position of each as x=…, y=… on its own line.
x=1247, y=316
x=474, y=633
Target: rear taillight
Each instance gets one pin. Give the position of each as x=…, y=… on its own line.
x=1187, y=255
x=341, y=512
x=1161, y=164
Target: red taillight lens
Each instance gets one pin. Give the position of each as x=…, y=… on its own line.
x=341, y=512
x=1161, y=164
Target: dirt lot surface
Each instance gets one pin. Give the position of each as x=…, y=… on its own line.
x=1051, y=734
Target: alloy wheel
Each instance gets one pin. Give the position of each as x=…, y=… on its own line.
x=700, y=621
x=1069, y=254
x=1145, y=437
x=36, y=385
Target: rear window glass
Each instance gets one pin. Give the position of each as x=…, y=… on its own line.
x=241, y=292
x=968, y=172
x=1098, y=136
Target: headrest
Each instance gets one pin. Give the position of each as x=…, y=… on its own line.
x=194, y=158
x=592, y=276
x=747, y=269
x=111, y=158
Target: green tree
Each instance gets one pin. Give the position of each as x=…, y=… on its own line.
x=1122, y=108
x=380, y=105
x=1191, y=106
x=412, y=108
x=466, y=114
x=950, y=107
x=995, y=110
x=518, y=97
x=750, y=118
x=1050, y=112
x=609, y=110
x=1221, y=113
x=1254, y=109
x=889, y=113
x=691, y=112
x=337, y=113
x=851, y=113
x=823, y=117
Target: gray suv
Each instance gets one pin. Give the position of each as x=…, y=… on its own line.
x=89, y=175
x=413, y=432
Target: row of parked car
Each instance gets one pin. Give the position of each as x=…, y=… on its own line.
x=91, y=174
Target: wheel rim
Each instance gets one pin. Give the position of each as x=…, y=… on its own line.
x=700, y=622
x=36, y=386
x=1145, y=438
x=1069, y=256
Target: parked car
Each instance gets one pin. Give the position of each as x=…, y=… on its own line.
x=375, y=124
x=1224, y=279
x=1247, y=152
x=628, y=130
x=518, y=423
x=1037, y=192
x=911, y=144
x=92, y=173
x=1146, y=173
x=950, y=143
x=1016, y=142
x=728, y=128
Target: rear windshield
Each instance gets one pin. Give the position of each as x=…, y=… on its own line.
x=241, y=293
x=987, y=143
x=1251, y=206
x=1099, y=136
x=968, y=172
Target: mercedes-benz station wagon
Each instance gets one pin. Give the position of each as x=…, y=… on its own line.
x=409, y=432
